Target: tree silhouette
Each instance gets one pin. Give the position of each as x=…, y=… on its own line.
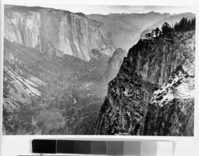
x=185, y=25
x=157, y=31
x=148, y=35
x=166, y=28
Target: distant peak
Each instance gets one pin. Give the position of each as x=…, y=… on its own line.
x=81, y=14
x=185, y=13
x=152, y=12
x=119, y=51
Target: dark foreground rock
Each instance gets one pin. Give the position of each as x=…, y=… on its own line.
x=153, y=93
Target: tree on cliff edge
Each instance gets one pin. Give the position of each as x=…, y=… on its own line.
x=185, y=25
x=166, y=28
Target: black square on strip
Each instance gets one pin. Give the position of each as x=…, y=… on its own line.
x=43, y=146
x=82, y=147
x=65, y=146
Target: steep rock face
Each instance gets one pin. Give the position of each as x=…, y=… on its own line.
x=149, y=65
x=171, y=109
x=55, y=32
x=22, y=29
x=114, y=64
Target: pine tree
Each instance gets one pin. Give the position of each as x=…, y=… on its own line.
x=185, y=25
x=157, y=31
x=166, y=28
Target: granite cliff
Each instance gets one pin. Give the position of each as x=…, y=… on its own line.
x=114, y=64
x=153, y=93
x=56, y=32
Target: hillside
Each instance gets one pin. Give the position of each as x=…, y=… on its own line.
x=50, y=95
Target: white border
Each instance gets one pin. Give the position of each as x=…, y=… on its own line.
x=1, y=72
x=23, y=141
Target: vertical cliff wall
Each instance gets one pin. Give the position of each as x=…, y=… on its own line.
x=153, y=92
x=55, y=32
x=114, y=64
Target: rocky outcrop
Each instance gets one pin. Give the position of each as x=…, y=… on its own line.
x=171, y=109
x=135, y=104
x=55, y=32
x=114, y=64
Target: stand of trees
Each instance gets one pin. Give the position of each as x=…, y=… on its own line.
x=183, y=25
x=166, y=28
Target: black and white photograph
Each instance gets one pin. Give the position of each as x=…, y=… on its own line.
x=75, y=69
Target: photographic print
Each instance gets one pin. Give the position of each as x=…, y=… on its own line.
x=99, y=70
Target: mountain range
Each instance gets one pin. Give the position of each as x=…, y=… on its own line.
x=125, y=29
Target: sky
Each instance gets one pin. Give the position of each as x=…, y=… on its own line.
x=107, y=8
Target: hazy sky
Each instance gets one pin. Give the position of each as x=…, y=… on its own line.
x=106, y=8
